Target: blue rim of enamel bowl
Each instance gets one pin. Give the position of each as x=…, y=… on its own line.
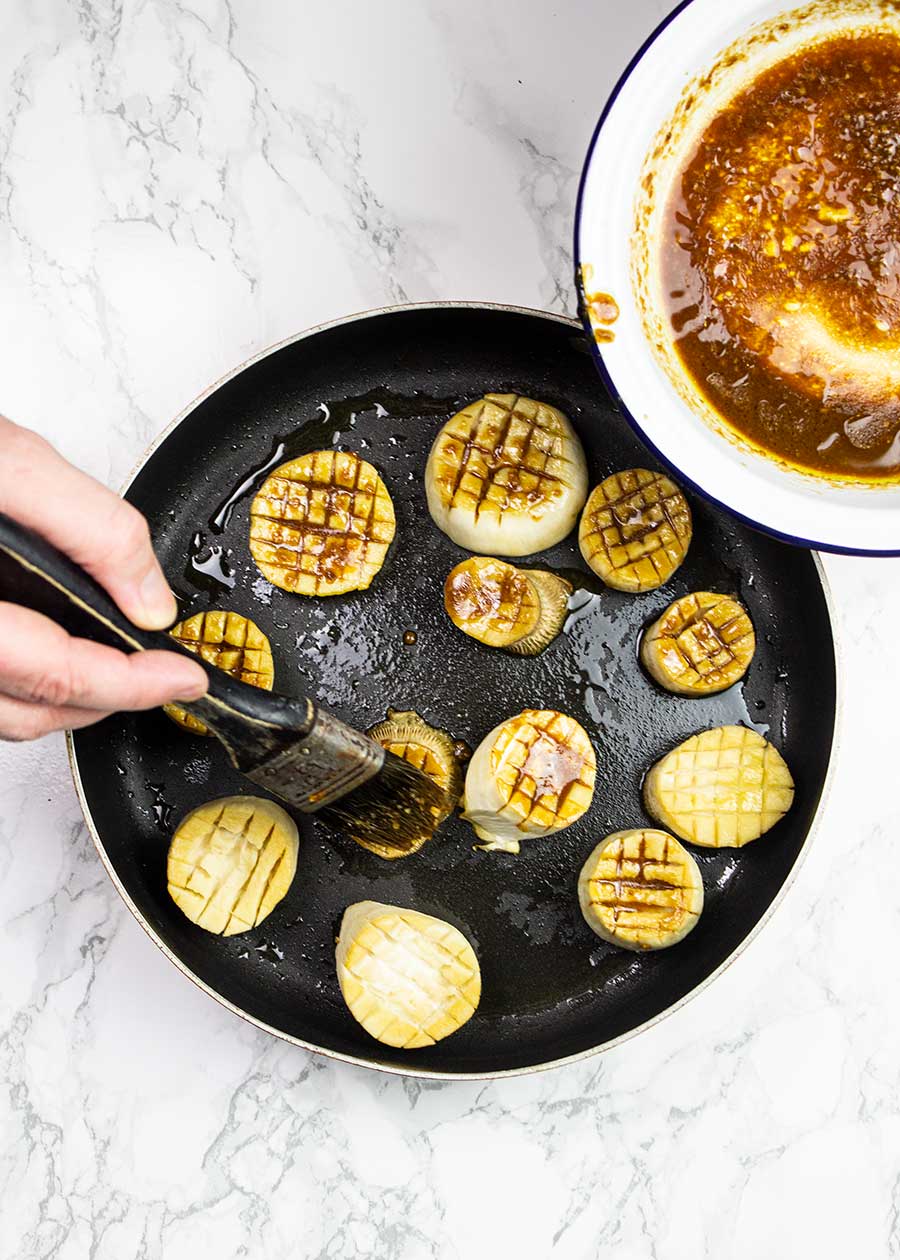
x=597, y=354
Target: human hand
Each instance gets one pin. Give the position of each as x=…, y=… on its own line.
x=50, y=680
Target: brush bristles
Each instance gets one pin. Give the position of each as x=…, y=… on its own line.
x=395, y=812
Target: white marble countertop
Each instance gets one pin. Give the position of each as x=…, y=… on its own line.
x=181, y=183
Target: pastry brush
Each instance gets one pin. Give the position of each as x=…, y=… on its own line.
x=284, y=744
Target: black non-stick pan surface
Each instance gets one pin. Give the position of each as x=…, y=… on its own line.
x=382, y=385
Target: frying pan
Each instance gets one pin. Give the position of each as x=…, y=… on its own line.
x=381, y=385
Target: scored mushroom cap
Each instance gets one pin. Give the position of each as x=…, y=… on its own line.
x=491, y=601
x=321, y=524
x=521, y=610
x=506, y=476
x=635, y=530
x=640, y=889
x=231, y=861
x=721, y=788
x=532, y=775
x=410, y=979
x=701, y=644
x=232, y=643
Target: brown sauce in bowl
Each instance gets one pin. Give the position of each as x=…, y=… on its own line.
x=780, y=259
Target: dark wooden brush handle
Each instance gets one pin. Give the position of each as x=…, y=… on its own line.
x=286, y=744
x=251, y=723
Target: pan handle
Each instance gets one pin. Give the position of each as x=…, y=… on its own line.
x=252, y=724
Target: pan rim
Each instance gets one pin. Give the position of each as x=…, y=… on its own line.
x=412, y=1071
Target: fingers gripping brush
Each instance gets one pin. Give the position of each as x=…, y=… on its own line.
x=286, y=745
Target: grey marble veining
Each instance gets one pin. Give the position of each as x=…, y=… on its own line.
x=180, y=185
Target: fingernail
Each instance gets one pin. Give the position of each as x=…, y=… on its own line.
x=196, y=688
x=158, y=602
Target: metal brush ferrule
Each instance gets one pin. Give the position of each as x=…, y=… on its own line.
x=321, y=767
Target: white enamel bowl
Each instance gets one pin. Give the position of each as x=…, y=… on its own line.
x=788, y=504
